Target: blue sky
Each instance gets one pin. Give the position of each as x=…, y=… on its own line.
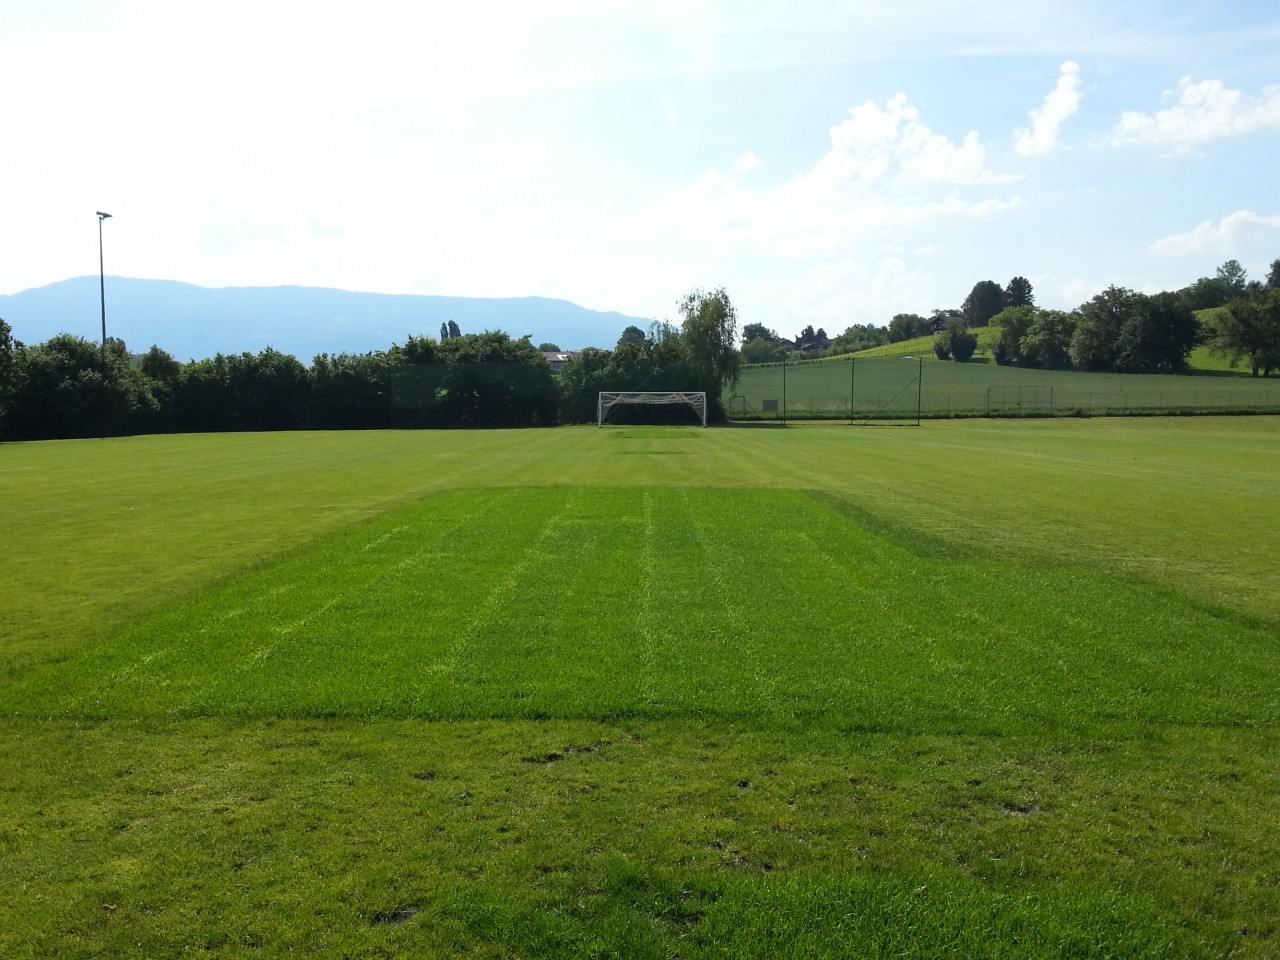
x=826, y=163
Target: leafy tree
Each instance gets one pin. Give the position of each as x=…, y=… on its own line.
x=908, y=326
x=1157, y=336
x=351, y=391
x=985, y=300
x=1234, y=279
x=163, y=373
x=160, y=366
x=660, y=362
x=8, y=370
x=1047, y=342
x=419, y=350
x=582, y=378
x=955, y=341
x=757, y=331
x=273, y=390
x=548, y=348
x=632, y=334
x=1095, y=344
x=269, y=390
x=1249, y=329
x=491, y=380
x=68, y=387
x=710, y=337
x=1011, y=325
x=1205, y=294
x=1273, y=276
x=761, y=350
x=860, y=336
x=1018, y=293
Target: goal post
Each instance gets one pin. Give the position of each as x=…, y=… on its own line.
x=1020, y=398
x=695, y=399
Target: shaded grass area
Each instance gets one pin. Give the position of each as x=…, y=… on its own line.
x=571, y=721
x=404, y=838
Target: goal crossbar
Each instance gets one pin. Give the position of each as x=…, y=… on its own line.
x=696, y=399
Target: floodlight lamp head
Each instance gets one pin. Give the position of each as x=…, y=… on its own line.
x=103, y=216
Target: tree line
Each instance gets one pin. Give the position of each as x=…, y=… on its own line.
x=1117, y=330
x=68, y=387
x=1124, y=331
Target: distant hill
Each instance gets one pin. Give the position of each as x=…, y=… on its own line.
x=193, y=322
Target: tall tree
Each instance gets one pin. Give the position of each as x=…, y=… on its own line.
x=160, y=366
x=632, y=334
x=1273, y=276
x=956, y=342
x=1011, y=325
x=710, y=338
x=908, y=326
x=985, y=300
x=1018, y=293
x=1047, y=342
x=1235, y=279
x=7, y=370
x=761, y=350
x=757, y=331
x=351, y=391
x=860, y=336
x=1249, y=329
x=63, y=389
x=1157, y=336
x=1096, y=340
x=1205, y=294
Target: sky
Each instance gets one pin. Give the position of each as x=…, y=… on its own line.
x=826, y=163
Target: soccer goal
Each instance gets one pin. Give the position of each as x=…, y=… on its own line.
x=1020, y=398
x=696, y=400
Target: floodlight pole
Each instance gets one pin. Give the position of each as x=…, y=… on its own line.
x=853, y=368
x=919, y=383
x=102, y=291
x=784, y=390
x=919, y=387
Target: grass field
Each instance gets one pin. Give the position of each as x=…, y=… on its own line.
x=993, y=689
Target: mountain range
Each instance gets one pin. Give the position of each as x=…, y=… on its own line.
x=192, y=322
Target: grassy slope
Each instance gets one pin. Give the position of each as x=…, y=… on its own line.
x=950, y=776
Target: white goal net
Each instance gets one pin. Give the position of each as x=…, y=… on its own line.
x=1036, y=397
x=697, y=400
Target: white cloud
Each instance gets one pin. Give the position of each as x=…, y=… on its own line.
x=1200, y=113
x=875, y=142
x=1059, y=105
x=885, y=169
x=1226, y=236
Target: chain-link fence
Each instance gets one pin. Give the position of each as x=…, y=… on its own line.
x=903, y=388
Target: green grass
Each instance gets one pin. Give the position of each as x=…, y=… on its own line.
x=980, y=689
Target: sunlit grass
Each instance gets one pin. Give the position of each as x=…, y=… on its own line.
x=579, y=603
x=974, y=689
